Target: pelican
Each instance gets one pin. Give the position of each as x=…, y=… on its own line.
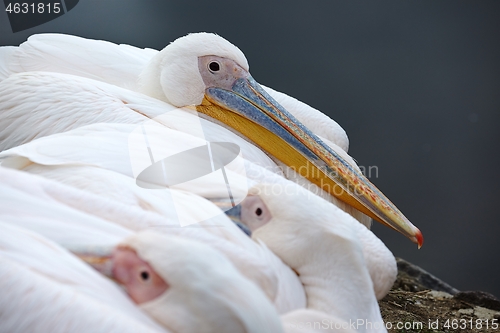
x=201, y=70
x=350, y=276
x=204, y=291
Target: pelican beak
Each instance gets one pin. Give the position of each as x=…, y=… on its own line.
x=100, y=258
x=233, y=212
x=245, y=107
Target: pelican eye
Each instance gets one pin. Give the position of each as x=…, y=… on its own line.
x=144, y=275
x=214, y=66
x=258, y=211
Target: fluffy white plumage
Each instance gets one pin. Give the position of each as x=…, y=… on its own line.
x=99, y=217
x=205, y=290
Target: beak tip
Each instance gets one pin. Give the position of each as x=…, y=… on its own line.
x=419, y=238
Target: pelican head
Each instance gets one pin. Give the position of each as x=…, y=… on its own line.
x=185, y=285
x=206, y=71
x=261, y=216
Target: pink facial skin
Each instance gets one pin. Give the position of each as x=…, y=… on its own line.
x=138, y=278
x=254, y=212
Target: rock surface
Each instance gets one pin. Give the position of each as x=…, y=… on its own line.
x=420, y=303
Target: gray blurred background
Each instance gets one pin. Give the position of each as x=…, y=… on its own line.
x=416, y=85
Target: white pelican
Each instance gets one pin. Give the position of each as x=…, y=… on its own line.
x=365, y=260
x=205, y=293
x=200, y=69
